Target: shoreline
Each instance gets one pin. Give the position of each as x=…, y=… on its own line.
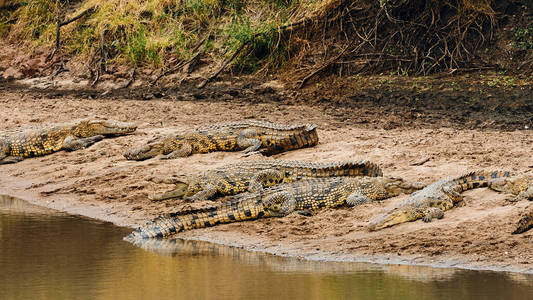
x=88, y=211
x=99, y=183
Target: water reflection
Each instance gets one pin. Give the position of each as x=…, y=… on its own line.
x=179, y=247
x=56, y=256
x=17, y=206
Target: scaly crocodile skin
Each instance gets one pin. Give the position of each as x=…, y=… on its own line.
x=254, y=175
x=521, y=187
x=278, y=201
x=249, y=136
x=433, y=200
x=22, y=143
x=525, y=224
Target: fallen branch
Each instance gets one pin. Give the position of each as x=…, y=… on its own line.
x=191, y=63
x=83, y=13
x=103, y=63
x=96, y=78
x=324, y=66
x=420, y=161
x=226, y=62
x=183, y=63
x=61, y=24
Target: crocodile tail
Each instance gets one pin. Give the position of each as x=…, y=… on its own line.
x=349, y=168
x=290, y=141
x=369, y=168
x=477, y=179
x=164, y=226
x=204, y=209
x=525, y=224
x=309, y=137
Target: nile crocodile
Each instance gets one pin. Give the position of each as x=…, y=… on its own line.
x=522, y=188
x=433, y=200
x=303, y=196
x=249, y=135
x=525, y=224
x=16, y=145
x=254, y=175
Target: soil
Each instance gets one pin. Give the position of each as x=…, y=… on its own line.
x=418, y=130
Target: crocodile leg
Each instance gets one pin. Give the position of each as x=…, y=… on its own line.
x=460, y=203
x=280, y=204
x=208, y=192
x=265, y=178
x=433, y=213
x=527, y=194
x=72, y=143
x=184, y=151
x=246, y=141
x=357, y=199
x=521, y=187
x=10, y=160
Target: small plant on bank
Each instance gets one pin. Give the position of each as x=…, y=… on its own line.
x=524, y=36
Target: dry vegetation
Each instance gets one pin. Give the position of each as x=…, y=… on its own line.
x=308, y=37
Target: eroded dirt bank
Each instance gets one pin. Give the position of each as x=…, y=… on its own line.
x=97, y=182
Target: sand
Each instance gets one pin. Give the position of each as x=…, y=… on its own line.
x=99, y=183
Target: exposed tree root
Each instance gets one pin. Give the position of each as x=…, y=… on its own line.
x=414, y=37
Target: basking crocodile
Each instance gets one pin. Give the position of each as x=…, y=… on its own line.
x=433, y=200
x=522, y=188
x=254, y=175
x=525, y=224
x=302, y=196
x=249, y=135
x=16, y=145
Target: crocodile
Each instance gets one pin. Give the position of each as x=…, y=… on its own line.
x=304, y=196
x=521, y=187
x=525, y=224
x=250, y=136
x=431, y=202
x=16, y=145
x=254, y=175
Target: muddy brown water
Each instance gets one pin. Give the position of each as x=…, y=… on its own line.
x=45, y=254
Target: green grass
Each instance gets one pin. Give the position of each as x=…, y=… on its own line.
x=154, y=32
x=524, y=36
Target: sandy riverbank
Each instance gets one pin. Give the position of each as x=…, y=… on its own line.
x=97, y=182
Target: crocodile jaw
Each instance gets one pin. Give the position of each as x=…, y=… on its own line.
x=390, y=218
x=142, y=153
x=111, y=127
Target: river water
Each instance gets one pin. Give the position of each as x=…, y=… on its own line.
x=45, y=254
